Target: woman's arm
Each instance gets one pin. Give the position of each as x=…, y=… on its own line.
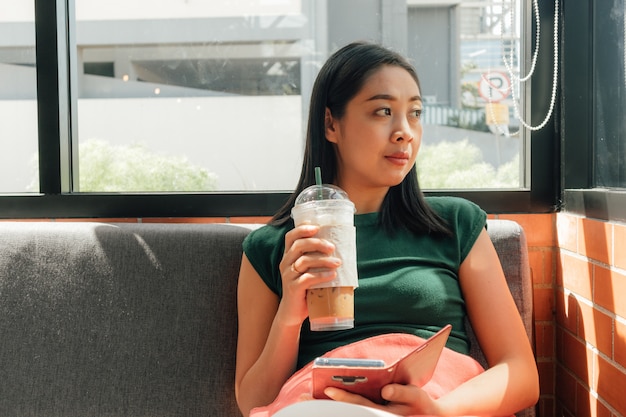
x=266, y=348
x=510, y=384
x=269, y=327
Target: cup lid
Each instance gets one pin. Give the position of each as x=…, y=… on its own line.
x=321, y=192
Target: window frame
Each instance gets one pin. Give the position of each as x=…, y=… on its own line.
x=56, y=198
x=580, y=195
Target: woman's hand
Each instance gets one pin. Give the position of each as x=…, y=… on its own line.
x=307, y=261
x=403, y=400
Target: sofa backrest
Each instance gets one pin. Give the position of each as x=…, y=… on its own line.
x=118, y=320
x=136, y=319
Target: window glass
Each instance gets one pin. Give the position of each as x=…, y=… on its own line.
x=610, y=94
x=467, y=54
x=212, y=96
x=18, y=98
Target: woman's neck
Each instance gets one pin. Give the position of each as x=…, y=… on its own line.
x=369, y=201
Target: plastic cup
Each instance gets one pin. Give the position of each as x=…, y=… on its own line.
x=331, y=304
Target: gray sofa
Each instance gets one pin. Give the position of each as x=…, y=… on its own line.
x=138, y=319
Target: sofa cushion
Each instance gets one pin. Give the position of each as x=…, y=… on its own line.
x=118, y=320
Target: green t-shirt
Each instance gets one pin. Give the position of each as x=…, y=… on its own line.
x=408, y=283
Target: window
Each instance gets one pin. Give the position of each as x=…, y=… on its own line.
x=594, y=127
x=609, y=85
x=179, y=108
x=172, y=97
x=18, y=105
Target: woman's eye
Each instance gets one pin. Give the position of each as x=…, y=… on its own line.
x=417, y=113
x=384, y=112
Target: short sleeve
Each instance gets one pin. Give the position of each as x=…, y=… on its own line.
x=264, y=248
x=465, y=218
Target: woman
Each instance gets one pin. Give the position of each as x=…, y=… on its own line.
x=423, y=262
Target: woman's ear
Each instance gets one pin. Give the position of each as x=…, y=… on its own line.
x=329, y=126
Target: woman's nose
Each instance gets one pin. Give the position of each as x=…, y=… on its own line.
x=402, y=132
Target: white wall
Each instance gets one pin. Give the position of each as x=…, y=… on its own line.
x=251, y=143
x=18, y=144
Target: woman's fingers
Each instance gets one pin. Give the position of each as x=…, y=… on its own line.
x=400, y=399
x=300, y=232
x=304, y=253
x=408, y=397
x=348, y=397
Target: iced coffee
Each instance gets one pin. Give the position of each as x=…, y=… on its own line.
x=331, y=304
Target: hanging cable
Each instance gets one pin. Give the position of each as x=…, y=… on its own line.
x=519, y=80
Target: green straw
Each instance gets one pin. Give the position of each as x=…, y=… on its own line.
x=318, y=182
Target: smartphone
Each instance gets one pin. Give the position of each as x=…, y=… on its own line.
x=349, y=362
x=366, y=377
x=337, y=366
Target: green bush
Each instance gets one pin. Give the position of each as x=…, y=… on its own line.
x=459, y=165
x=128, y=168
x=135, y=168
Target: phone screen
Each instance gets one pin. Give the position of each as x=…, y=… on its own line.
x=350, y=362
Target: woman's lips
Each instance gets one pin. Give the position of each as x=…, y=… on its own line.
x=398, y=158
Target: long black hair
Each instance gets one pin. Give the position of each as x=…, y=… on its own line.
x=339, y=80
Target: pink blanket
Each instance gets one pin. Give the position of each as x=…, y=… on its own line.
x=452, y=369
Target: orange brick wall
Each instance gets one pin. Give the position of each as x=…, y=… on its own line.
x=579, y=276
x=591, y=317
x=579, y=279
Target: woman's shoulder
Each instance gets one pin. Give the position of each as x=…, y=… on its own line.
x=458, y=212
x=465, y=219
x=266, y=237
x=449, y=206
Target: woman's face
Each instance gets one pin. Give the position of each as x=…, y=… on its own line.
x=378, y=137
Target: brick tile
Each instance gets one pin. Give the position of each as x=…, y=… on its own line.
x=576, y=357
x=535, y=259
x=253, y=220
x=549, y=263
x=599, y=408
x=620, y=343
x=558, y=341
x=576, y=275
x=595, y=239
x=561, y=411
x=587, y=405
x=567, y=311
x=567, y=231
x=538, y=228
x=565, y=390
x=542, y=265
x=546, y=377
x=543, y=299
x=583, y=401
x=602, y=411
x=619, y=249
x=609, y=383
x=184, y=220
x=545, y=407
x=610, y=287
x=596, y=328
x=558, y=269
x=544, y=340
